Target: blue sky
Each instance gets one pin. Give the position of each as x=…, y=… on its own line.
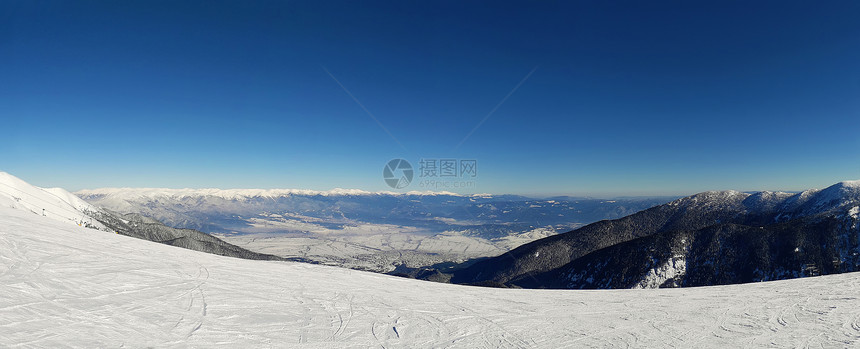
x=630, y=98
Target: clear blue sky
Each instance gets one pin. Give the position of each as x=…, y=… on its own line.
x=626, y=98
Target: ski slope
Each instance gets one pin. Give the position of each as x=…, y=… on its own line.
x=64, y=285
x=54, y=203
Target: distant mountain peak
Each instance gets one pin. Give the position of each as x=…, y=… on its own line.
x=712, y=199
x=248, y=193
x=851, y=184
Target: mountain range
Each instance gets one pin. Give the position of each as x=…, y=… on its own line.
x=711, y=238
x=376, y=231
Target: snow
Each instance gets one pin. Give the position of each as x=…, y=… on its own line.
x=238, y=194
x=842, y=194
x=713, y=200
x=373, y=247
x=674, y=267
x=54, y=203
x=854, y=212
x=512, y=241
x=851, y=184
x=68, y=286
x=360, y=247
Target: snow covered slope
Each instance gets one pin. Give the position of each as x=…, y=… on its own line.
x=54, y=203
x=60, y=205
x=64, y=285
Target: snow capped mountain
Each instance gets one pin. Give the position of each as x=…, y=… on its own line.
x=69, y=286
x=54, y=203
x=715, y=237
x=765, y=200
x=712, y=200
x=809, y=202
x=835, y=197
x=240, y=194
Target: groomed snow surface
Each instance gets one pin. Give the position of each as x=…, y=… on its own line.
x=64, y=285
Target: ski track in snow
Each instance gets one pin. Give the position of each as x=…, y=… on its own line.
x=69, y=286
